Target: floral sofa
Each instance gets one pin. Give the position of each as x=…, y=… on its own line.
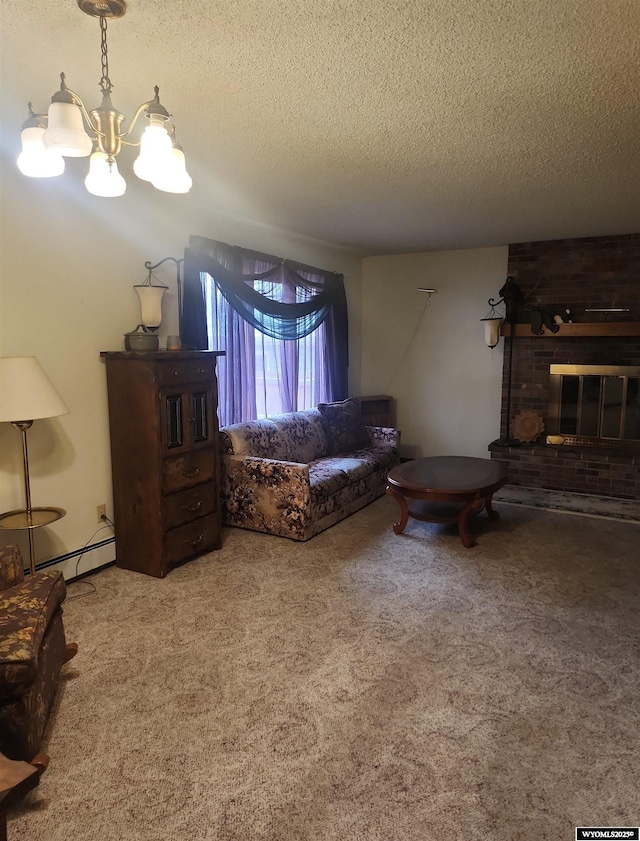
x=297, y=474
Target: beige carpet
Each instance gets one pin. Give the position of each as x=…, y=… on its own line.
x=359, y=686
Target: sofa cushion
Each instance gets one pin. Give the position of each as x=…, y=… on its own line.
x=344, y=426
x=260, y=438
x=25, y=612
x=303, y=435
x=325, y=478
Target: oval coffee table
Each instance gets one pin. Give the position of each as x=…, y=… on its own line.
x=446, y=489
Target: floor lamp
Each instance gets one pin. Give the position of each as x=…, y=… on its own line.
x=27, y=394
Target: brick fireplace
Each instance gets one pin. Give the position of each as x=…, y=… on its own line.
x=581, y=274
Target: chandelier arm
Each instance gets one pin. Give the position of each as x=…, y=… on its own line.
x=85, y=113
x=136, y=116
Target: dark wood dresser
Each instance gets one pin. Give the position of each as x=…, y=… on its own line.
x=164, y=457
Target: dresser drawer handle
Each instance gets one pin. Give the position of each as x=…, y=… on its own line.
x=191, y=472
x=196, y=542
x=176, y=373
x=195, y=507
x=201, y=370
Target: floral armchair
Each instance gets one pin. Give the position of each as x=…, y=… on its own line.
x=32, y=651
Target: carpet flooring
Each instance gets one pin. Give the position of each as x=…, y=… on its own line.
x=362, y=685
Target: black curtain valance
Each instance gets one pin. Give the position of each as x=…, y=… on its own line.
x=291, y=299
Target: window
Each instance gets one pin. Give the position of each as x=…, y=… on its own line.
x=287, y=375
x=282, y=326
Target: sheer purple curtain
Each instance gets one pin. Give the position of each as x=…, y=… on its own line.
x=273, y=363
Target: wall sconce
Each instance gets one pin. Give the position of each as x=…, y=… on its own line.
x=511, y=297
x=151, y=295
x=492, y=324
x=148, y=285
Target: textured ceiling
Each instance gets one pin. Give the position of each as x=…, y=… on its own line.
x=384, y=126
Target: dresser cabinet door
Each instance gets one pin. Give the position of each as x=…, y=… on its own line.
x=188, y=418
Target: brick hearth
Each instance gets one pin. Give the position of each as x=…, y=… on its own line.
x=579, y=274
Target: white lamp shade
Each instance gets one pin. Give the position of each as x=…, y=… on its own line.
x=35, y=160
x=155, y=153
x=104, y=179
x=174, y=177
x=26, y=392
x=151, y=304
x=492, y=330
x=65, y=131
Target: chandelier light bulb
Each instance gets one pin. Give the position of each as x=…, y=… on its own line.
x=155, y=153
x=174, y=177
x=35, y=160
x=65, y=132
x=104, y=179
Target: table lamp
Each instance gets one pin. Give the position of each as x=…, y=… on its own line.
x=27, y=394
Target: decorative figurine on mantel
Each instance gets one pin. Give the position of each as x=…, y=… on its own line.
x=527, y=426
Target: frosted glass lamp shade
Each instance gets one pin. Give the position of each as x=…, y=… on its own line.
x=26, y=392
x=174, y=177
x=35, y=160
x=155, y=153
x=492, y=330
x=104, y=179
x=151, y=304
x=65, y=131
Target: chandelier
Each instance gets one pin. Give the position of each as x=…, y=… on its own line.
x=48, y=138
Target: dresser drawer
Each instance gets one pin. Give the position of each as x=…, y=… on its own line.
x=187, y=505
x=185, y=371
x=192, y=538
x=185, y=471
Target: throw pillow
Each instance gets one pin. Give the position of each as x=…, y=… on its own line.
x=344, y=426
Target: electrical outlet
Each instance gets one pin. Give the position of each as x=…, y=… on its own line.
x=102, y=512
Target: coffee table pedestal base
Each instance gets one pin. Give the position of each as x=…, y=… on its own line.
x=440, y=508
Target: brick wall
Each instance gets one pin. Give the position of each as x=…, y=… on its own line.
x=579, y=274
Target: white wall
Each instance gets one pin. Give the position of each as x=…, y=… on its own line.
x=68, y=263
x=431, y=356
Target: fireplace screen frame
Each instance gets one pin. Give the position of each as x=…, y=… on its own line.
x=557, y=376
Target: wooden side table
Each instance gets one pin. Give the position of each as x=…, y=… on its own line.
x=377, y=410
x=31, y=518
x=16, y=779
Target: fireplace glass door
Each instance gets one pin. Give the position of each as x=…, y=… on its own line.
x=595, y=403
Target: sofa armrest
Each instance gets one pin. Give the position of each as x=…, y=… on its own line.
x=384, y=435
x=266, y=494
x=26, y=611
x=11, y=567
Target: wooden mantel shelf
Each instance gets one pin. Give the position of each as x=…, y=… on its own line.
x=604, y=328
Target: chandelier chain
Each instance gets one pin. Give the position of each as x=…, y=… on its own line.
x=105, y=81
